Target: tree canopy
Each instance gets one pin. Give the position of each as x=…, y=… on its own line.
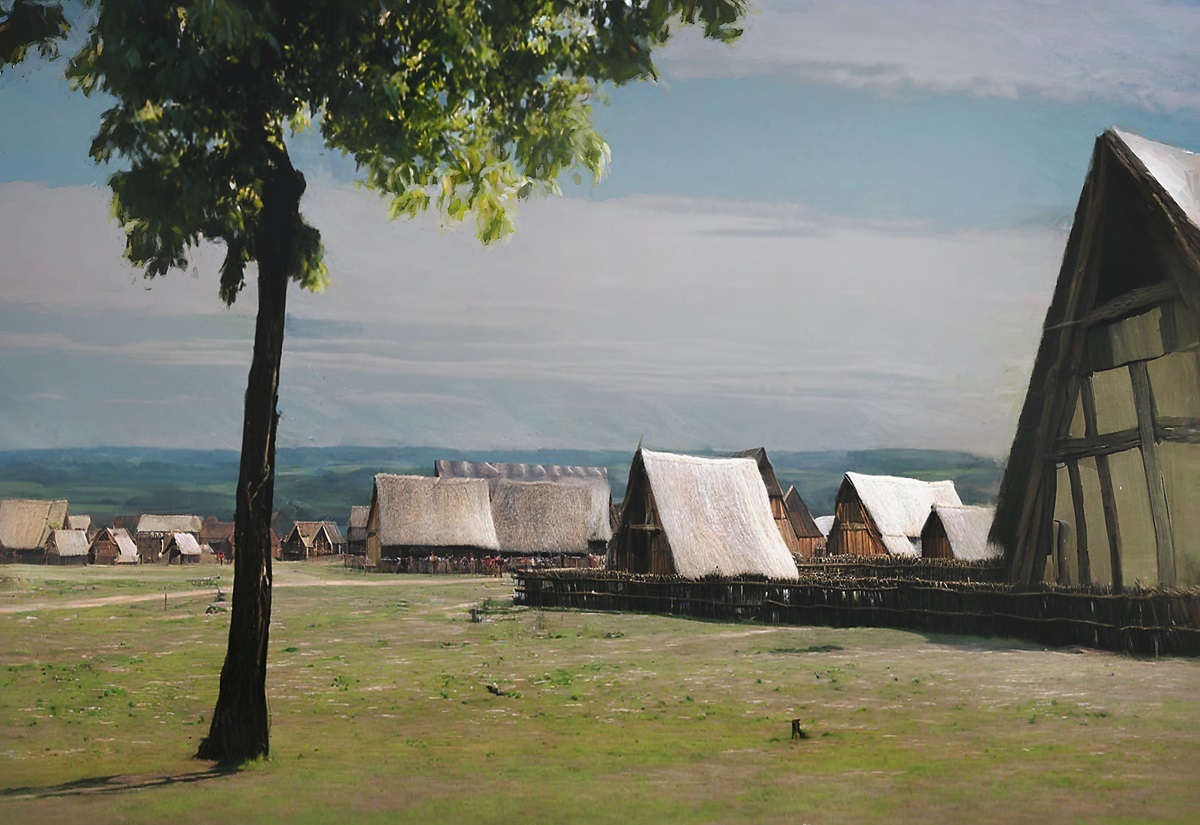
x=26, y=24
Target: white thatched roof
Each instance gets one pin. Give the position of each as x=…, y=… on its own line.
x=125, y=545
x=25, y=523
x=169, y=524
x=1176, y=170
x=79, y=522
x=717, y=516
x=900, y=506
x=543, y=517
x=824, y=524
x=186, y=542
x=434, y=512
x=70, y=542
x=967, y=529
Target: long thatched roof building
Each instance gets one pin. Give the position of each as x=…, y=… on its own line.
x=545, y=518
x=884, y=515
x=1109, y=435
x=413, y=515
x=695, y=517
x=26, y=525
x=67, y=547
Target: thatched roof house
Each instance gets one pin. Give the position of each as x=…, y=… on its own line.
x=1109, y=435
x=112, y=545
x=182, y=548
x=218, y=535
x=153, y=533
x=594, y=479
x=959, y=533
x=799, y=533
x=824, y=524
x=67, y=547
x=26, y=525
x=356, y=530
x=884, y=515
x=310, y=540
x=809, y=535
x=696, y=517
x=544, y=518
x=81, y=522
x=418, y=515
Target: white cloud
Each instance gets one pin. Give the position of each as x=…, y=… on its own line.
x=693, y=322
x=1143, y=53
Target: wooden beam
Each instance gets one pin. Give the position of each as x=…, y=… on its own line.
x=1132, y=301
x=1107, y=498
x=1143, y=402
x=1081, y=528
x=1179, y=430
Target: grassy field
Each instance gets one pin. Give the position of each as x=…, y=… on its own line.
x=382, y=713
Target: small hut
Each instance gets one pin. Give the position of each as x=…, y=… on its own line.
x=112, y=545
x=83, y=523
x=26, y=525
x=1109, y=435
x=154, y=532
x=218, y=535
x=809, y=536
x=311, y=540
x=695, y=517
x=182, y=548
x=418, y=516
x=959, y=533
x=67, y=547
x=545, y=519
x=883, y=515
x=356, y=530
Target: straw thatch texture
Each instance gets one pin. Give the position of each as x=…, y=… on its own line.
x=185, y=543
x=824, y=524
x=169, y=524
x=542, y=518
x=716, y=516
x=965, y=530
x=356, y=527
x=898, y=507
x=68, y=543
x=81, y=522
x=25, y=524
x=126, y=548
x=417, y=511
x=595, y=479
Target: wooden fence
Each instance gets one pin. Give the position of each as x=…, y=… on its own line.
x=1143, y=622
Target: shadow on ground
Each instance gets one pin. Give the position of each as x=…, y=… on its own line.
x=104, y=785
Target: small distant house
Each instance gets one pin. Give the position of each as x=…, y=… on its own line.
x=1109, y=435
x=310, y=540
x=809, y=536
x=112, y=545
x=884, y=515
x=218, y=535
x=67, y=547
x=959, y=533
x=25, y=528
x=695, y=517
x=545, y=519
x=356, y=530
x=182, y=548
x=154, y=532
x=416, y=516
x=594, y=479
x=82, y=523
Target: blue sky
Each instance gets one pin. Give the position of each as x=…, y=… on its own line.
x=840, y=233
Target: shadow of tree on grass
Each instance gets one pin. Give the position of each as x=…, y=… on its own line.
x=116, y=784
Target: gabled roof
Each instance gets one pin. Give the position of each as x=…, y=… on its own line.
x=800, y=516
x=358, y=516
x=70, y=542
x=434, y=512
x=899, y=507
x=824, y=524
x=79, y=522
x=168, y=524
x=542, y=517
x=126, y=548
x=1176, y=170
x=308, y=531
x=186, y=542
x=967, y=529
x=716, y=516
x=25, y=523
x=214, y=530
x=594, y=479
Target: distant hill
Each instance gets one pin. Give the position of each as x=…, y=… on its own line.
x=323, y=482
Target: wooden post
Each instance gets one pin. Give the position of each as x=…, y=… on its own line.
x=1143, y=402
x=1081, y=533
x=1107, y=497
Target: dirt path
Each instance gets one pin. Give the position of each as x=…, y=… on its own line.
x=296, y=580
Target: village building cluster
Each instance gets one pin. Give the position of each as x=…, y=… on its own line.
x=1100, y=489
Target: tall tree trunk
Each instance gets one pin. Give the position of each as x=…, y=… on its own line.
x=240, y=728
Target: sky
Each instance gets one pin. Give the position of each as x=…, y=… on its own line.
x=840, y=233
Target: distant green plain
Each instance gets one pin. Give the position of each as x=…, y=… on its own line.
x=379, y=690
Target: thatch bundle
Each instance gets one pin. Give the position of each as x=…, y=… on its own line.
x=543, y=518
x=418, y=511
x=25, y=524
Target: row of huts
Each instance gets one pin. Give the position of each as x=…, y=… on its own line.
x=38, y=531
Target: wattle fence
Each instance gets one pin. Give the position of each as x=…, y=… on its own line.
x=1150, y=622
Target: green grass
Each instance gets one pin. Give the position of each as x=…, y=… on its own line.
x=382, y=713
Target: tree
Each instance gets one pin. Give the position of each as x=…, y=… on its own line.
x=26, y=24
x=467, y=105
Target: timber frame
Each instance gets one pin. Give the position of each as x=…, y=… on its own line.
x=1128, y=294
